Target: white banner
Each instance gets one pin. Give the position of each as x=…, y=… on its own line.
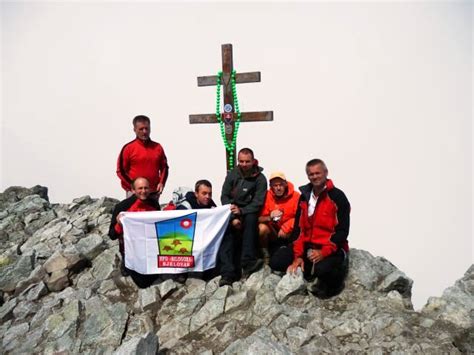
x=173, y=242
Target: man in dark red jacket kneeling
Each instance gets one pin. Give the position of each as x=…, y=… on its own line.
x=321, y=249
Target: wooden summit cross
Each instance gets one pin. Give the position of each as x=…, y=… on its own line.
x=229, y=116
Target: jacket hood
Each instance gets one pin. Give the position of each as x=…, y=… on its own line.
x=191, y=197
x=291, y=190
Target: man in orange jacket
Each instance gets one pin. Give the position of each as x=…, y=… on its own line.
x=277, y=218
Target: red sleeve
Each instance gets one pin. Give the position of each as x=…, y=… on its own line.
x=118, y=228
x=298, y=247
x=328, y=249
x=266, y=210
x=123, y=166
x=163, y=167
x=287, y=227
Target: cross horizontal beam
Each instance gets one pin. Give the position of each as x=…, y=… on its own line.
x=240, y=78
x=258, y=116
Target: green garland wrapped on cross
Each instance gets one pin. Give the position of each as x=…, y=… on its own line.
x=229, y=120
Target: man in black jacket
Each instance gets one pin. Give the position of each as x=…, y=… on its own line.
x=244, y=189
x=200, y=198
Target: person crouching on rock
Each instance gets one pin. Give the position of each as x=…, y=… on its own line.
x=140, y=201
x=321, y=250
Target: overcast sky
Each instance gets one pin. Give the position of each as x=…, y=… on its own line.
x=381, y=91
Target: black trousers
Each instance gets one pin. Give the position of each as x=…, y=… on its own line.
x=332, y=270
x=232, y=245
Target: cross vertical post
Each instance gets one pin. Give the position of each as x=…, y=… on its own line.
x=227, y=68
x=230, y=116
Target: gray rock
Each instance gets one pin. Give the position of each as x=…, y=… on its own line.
x=106, y=287
x=29, y=344
x=12, y=274
x=104, y=324
x=56, y=262
x=75, y=261
x=256, y=344
x=86, y=280
x=317, y=345
x=147, y=345
x=104, y=265
x=148, y=298
x=83, y=200
x=6, y=311
x=297, y=337
x=314, y=328
x=265, y=309
x=370, y=270
x=237, y=300
x=192, y=283
x=281, y=324
x=397, y=281
x=347, y=328
x=396, y=299
x=138, y=325
x=36, y=276
x=29, y=204
x=102, y=312
x=171, y=332
x=211, y=309
x=256, y=280
x=58, y=280
x=456, y=305
x=37, y=220
x=270, y=283
x=63, y=323
x=37, y=292
x=60, y=329
x=24, y=309
x=91, y=246
x=166, y=288
x=290, y=285
x=13, y=333
x=191, y=302
x=212, y=286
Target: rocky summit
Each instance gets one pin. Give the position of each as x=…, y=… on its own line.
x=61, y=291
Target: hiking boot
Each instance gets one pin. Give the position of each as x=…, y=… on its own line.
x=316, y=286
x=322, y=291
x=247, y=271
x=225, y=281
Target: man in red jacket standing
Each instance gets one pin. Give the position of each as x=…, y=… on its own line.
x=142, y=157
x=321, y=249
